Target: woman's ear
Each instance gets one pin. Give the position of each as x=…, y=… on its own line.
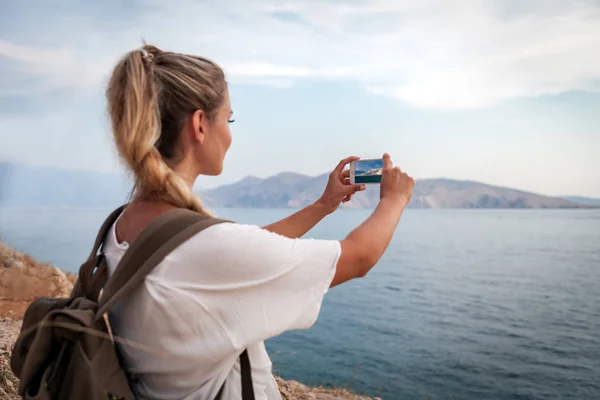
x=199, y=126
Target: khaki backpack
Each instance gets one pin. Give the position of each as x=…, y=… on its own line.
x=66, y=351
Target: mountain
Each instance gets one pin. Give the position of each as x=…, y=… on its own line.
x=293, y=190
x=29, y=185
x=286, y=189
x=24, y=185
x=447, y=193
x=582, y=200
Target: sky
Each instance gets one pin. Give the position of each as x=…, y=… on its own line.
x=502, y=92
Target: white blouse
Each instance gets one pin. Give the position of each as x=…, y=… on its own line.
x=228, y=288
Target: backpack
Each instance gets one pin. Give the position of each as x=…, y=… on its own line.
x=66, y=351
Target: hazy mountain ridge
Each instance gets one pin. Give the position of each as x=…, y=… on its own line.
x=582, y=200
x=287, y=189
x=294, y=190
x=447, y=193
x=24, y=185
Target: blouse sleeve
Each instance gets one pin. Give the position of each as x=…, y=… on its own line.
x=257, y=284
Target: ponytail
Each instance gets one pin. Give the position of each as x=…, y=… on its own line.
x=133, y=96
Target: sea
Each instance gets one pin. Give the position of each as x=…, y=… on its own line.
x=465, y=304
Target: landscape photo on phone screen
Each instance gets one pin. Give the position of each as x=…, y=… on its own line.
x=368, y=171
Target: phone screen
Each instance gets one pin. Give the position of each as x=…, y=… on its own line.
x=368, y=171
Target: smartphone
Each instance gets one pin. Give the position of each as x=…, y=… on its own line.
x=366, y=171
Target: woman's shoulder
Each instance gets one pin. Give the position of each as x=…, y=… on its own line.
x=252, y=248
x=239, y=236
x=231, y=238
x=225, y=231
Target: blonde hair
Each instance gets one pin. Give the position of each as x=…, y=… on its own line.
x=151, y=93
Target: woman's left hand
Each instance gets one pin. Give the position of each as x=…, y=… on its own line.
x=339, y=190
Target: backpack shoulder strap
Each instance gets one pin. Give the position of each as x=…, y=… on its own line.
x=106, y=225
x=87, y=268
x=161, y=236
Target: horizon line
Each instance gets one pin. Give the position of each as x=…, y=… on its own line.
x=124, y=173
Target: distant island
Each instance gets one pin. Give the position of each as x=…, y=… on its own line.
x=38, y=186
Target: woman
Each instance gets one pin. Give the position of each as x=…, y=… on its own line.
x=231, y=286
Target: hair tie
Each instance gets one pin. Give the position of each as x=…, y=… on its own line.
x=147, y=56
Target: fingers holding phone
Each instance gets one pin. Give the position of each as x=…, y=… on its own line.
x=387, y=161
x=395, y=184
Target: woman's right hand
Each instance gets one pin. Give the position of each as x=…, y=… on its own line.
x=395, y=184
x=363, y=247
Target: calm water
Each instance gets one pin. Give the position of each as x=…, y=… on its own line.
x=464, y=305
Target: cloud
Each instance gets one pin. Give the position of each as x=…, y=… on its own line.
x=24, y=66
x=32, y=55
x=429, y=54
